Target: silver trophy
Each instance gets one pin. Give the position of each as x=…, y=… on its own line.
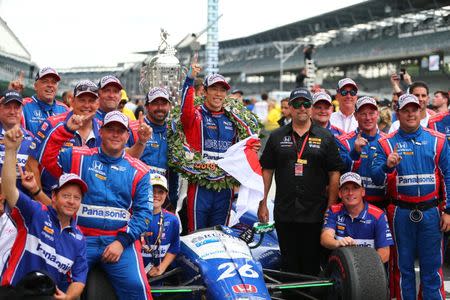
x=162, y=70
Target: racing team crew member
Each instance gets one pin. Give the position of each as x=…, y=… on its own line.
x=161, y=242
x=321, y=113
x=157, y=105
x=43, y=104
x=357, y=147
x=48, y=238
x=209, y=131
x=305, y=160
x=420, y=90
x=109, y=95
x=414, y=164
x=10, y=116
x=354, y=222
x=84, y=103
x=118, y=206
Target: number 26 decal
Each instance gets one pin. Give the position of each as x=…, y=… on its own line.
x=230, y=271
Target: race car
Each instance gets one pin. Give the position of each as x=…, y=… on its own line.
x=242, y=262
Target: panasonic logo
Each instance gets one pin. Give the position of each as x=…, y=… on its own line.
x=112, y=213
x=35, y=246
x=423, y=179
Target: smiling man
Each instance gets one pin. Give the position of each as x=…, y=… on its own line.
x=48, y=238
x=414, y=164
x=42, y=104
x=354, y=222
x=157, y=105
x=85, y=103
x=305, y=160
x=209, y=131
x=346, y=94
x=420, y=90
x=321, y=113
x=357, y=147
x=118, y=206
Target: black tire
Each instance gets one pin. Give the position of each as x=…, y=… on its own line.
x=358, y=273
x=98, y=286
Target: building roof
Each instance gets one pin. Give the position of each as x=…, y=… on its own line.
x=11, y=45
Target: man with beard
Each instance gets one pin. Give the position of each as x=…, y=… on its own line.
x=305, y=160
x=157, y=104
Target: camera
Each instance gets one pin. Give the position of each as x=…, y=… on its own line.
x=402, y=74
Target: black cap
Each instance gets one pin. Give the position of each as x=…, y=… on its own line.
x=300, y=93
x=11, y=95
x=236, y=91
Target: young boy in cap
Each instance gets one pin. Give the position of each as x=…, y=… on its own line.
x=161, y=243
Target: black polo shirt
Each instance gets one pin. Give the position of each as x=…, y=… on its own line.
x=301, y=198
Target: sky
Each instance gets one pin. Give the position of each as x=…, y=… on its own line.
x=80, y=33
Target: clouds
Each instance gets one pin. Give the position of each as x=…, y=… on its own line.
x=104, y=32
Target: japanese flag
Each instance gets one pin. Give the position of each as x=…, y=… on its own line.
x=241, y=162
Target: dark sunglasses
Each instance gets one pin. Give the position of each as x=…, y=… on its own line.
x=86, y=88
x=298, y=104
x=345, y=92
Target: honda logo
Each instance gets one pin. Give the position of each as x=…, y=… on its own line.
x=97, y=165
x=244, y=288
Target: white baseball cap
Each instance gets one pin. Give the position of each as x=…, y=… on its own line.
x=366, y=101
x=47, y=71
x=405, y=99
x=71, y=178
x=116, y=116
x=155, y=93
x=109, y=79
x=350, y=177
x=346, y=81
x=158, y=179
x=216, y=78
x=321, y=96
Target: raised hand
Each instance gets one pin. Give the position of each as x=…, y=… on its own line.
x=145, y=131
x=18, y=83
x=28, y=180
x=360, y=142
x=76, y=122
x=393, y=159
x=13, y=138
x=195, y=68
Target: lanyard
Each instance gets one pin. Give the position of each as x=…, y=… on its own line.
x=299, y=154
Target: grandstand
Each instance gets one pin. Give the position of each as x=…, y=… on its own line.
x=14, y=58
x=367, y=41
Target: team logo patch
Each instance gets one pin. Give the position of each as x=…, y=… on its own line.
x=48, y=230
